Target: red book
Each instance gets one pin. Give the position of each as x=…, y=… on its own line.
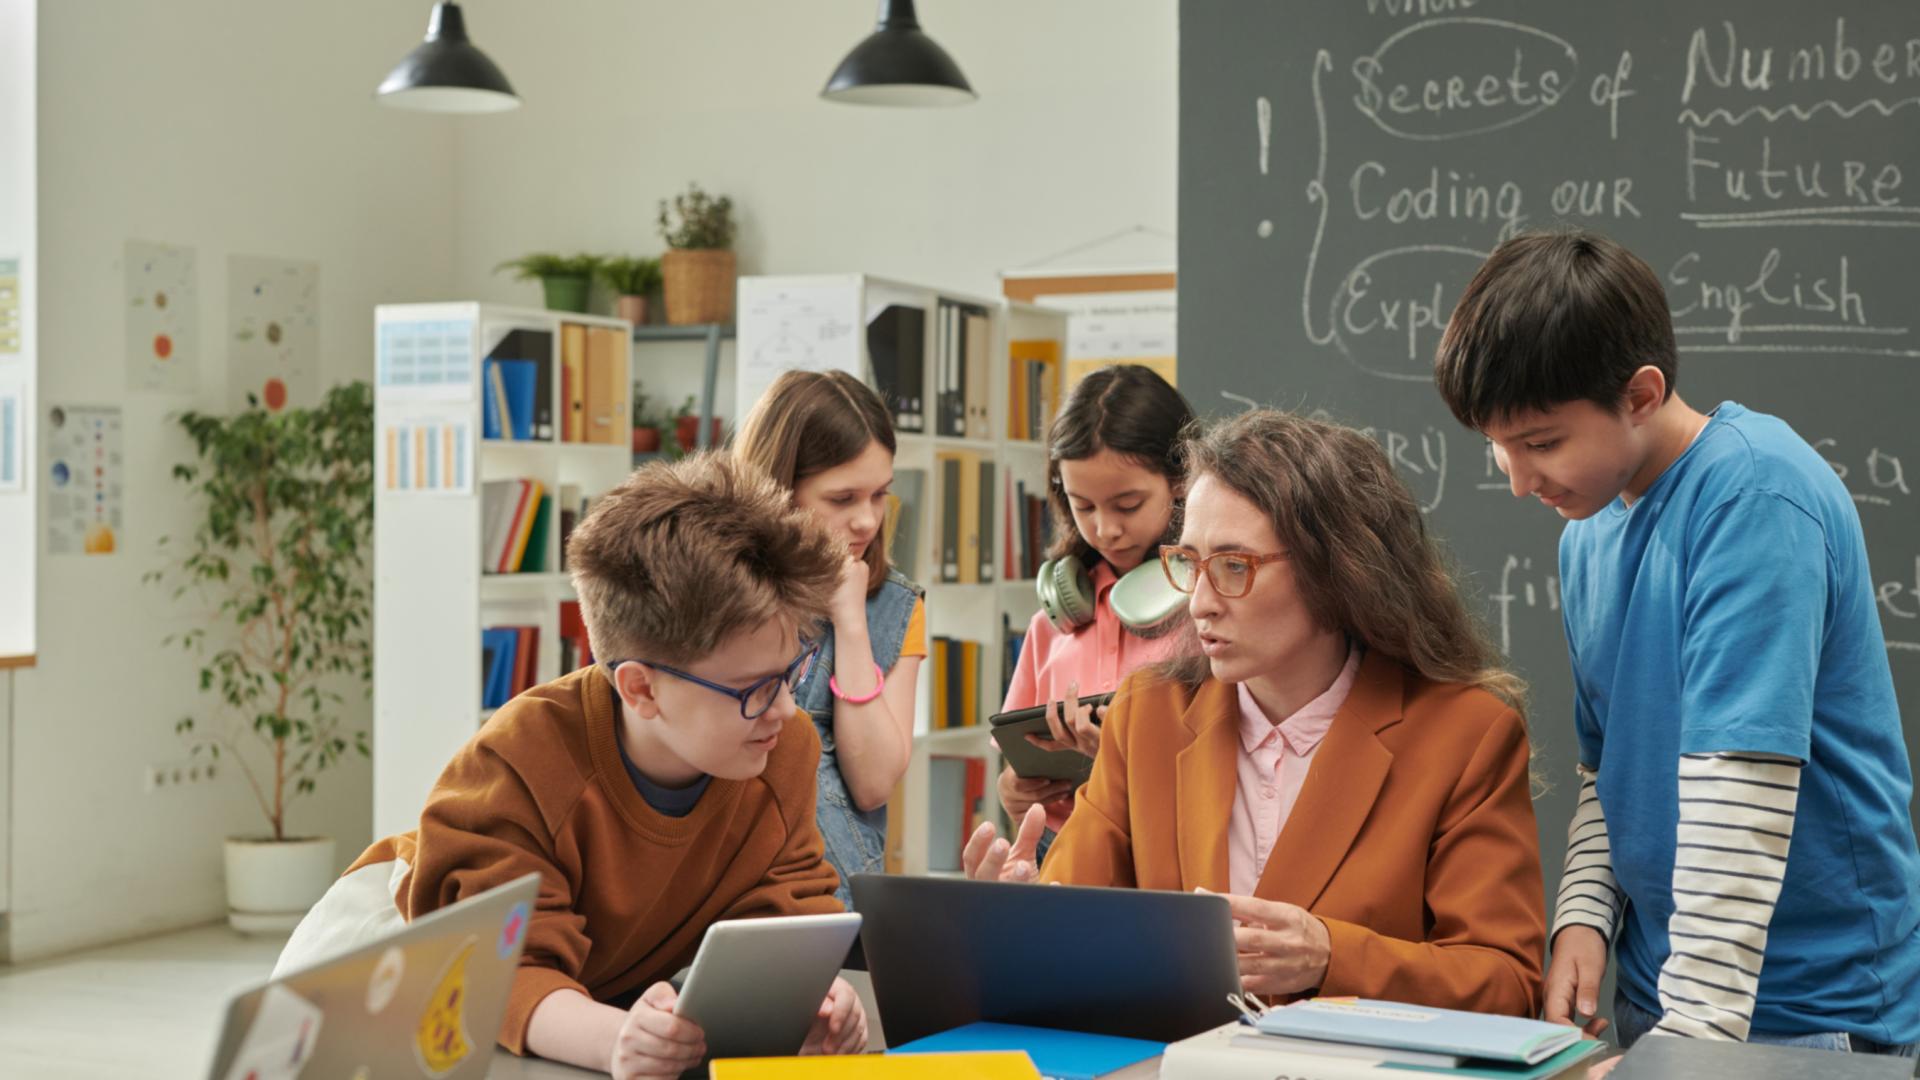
x=505, y=564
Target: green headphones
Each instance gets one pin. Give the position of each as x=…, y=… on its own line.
x=1143, y=599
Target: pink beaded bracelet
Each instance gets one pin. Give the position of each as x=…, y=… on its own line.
x=880, y=683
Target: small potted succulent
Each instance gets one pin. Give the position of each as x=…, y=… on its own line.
x=646, y=426
x=564, y=278
x=630, y=279
x=686, y=428
x=698, y=267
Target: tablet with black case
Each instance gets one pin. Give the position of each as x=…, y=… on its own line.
x=1010, y=731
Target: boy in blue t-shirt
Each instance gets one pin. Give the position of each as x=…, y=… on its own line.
x=1742, y=835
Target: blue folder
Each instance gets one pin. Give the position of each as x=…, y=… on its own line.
x=519, y=377
x=1067, y=1055
x=502, y=643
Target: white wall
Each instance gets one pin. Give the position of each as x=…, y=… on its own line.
x=243, y=126
x=17, y=240
x=626, y=101
x=230, y=126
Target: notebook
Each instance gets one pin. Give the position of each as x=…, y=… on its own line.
x=1660, y=1057
x=1059, y=1055
x=1419, y=1027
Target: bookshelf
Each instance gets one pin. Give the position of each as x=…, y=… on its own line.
x=433, y=461
x=855, y=322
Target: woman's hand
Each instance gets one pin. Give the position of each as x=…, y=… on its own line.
x=989, y=858
x=1020, y=794
x=1283, y=949
x=1075, y=728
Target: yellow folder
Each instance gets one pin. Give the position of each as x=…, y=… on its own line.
x=1000, y=1065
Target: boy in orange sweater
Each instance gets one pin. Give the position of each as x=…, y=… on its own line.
x=666, y=788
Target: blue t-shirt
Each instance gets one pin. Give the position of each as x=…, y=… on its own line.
x=1731, y=608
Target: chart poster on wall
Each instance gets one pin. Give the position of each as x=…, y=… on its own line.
x=1120, y=328
x=85, y=471
x=426, y=358
x=13, y=448
x=163, y=317
x=426, y=449
x=9, y=306
x=273, y=332
x=808, y=324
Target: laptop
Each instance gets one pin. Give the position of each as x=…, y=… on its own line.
x=425, y=1001
x=1133, y=962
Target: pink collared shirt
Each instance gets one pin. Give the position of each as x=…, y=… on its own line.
x=1273, y=764
x=1096, y=658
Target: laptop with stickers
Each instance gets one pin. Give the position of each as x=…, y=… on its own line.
x=425, y=1001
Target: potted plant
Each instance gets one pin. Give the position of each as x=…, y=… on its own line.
x=279, y=559
x=631, y=279
x=563, y=278
x=698, y=267
x=686, y=427
x=646, y=426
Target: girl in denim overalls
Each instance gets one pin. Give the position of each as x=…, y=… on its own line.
x=829, y=439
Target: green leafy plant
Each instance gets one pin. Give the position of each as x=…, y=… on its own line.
x=706, y=222
x=279, y=559
x=630, y=276
x=546, y=265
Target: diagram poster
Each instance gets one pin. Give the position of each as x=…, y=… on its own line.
x=84, y=480
x=163, y=318
x=273, y=332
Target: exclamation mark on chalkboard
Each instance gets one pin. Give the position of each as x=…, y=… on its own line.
x=1263, y=117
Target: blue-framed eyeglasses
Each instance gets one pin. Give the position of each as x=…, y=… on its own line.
x=755, y=700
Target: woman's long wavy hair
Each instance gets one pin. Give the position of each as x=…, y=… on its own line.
x=1357, y=542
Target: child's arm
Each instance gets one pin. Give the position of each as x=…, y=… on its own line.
x=873, y=740
x=647, y=1040
x=1589, y=899
x=1753, y=623
x=1736, y=820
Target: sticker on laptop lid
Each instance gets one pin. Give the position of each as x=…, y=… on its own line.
x=514, y=930
x=280, y=1039
x=385, y=981
x=440, y=1039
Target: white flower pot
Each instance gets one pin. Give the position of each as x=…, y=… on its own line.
x=271, y=884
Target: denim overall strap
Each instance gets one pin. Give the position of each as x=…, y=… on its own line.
x=856, y=840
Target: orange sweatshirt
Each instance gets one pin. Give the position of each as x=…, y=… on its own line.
x=625, y=892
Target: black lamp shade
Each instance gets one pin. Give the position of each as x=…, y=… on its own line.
x=445, y=73
x=898, y=64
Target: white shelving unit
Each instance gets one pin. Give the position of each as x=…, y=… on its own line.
x=431, y=598
x=968, y=612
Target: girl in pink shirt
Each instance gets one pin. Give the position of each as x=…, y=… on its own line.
x=1114, y=486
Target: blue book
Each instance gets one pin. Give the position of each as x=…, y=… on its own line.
x=1059, y=1055
x=1418, y=1027
x=507, y=399
x=503, y=643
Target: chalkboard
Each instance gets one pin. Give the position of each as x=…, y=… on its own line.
x=1345, y=165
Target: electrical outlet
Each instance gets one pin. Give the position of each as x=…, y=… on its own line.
x=161, y=775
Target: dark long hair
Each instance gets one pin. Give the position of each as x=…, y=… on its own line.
x=1128, y=409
